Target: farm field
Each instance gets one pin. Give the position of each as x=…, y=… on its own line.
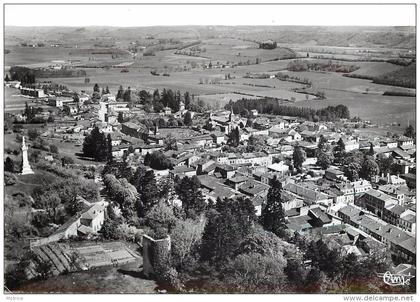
x=44, y=56
x=221, y=99
x=280, y=94
x=376, y=108
x=363, y=97
x=336, y=81
x=338, y=89
x=354, y=51
x=235, y=50
x=373, y=69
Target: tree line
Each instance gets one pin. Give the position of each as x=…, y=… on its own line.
x=304, y=65
x=272, y=106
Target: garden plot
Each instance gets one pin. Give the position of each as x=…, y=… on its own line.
x=68, y=257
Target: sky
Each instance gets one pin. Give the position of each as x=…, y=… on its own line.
x=151, y=15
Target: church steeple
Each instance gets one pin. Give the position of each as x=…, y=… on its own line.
x=231, y=114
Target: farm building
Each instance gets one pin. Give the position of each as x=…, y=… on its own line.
x=59, y=101
x=37, y=93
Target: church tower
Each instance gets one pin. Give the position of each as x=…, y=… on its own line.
x=26, y=168
x=231, y=115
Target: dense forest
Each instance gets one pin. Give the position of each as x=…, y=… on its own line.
x=272, y=106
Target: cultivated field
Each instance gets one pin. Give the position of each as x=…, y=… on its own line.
x=237, y=51
x=186, y=73
x=45, y=56
x=374, y=69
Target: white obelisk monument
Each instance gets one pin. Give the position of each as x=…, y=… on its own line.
x=26, y=168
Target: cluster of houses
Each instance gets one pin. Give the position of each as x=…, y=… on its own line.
x=357, y=214
x=383, y=213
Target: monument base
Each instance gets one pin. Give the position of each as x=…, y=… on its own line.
x=26, y=171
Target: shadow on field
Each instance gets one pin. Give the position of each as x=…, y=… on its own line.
x=133, y=273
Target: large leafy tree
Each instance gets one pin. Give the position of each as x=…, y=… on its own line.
x=384, y=163
x=352, y=170
x=255, y=273
x=123, y=193
x=158, y=160
x=324, y=159
x=146, y=185
x=230, y=222
x=161, y=215
x=369, y=168
x=96, y=146
x=273, y=217
x=295, y=272
x=186, y=239
x=354, y=156
x=326, y=259
x=188, y=190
